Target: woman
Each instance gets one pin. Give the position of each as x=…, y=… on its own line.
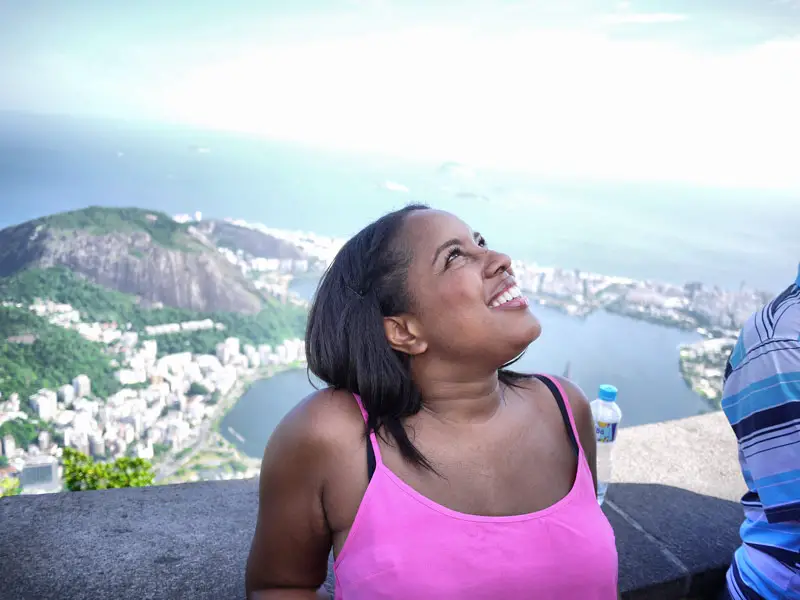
x=472, y=481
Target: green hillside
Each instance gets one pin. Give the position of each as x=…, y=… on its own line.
x=52, y=359
x=272, y=325
x=100, y=220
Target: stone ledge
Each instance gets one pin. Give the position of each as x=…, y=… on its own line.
x=673, y=512
x=678, y=483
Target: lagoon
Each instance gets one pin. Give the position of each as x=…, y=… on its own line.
x=640, y=358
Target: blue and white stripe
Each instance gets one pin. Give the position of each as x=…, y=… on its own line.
x=761, y=399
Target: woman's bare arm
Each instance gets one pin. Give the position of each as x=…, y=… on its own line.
x=289, y=553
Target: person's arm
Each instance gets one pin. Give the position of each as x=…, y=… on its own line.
x=289, y=554
x=582, y=412
x=761, y=399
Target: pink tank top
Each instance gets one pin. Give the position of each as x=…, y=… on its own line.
x=403, y=545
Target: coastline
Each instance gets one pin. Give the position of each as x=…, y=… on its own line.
x=212, y=455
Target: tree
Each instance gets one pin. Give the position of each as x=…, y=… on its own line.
x=160, y=449
x=82, y=473
x=198, y=389
x=9, y=486
x=3, y=461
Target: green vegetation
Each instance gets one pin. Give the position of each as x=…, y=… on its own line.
x=160, y=449
x=183, y=453
x=55, y=357
x=238, y=466
x=100, y=220
x=24, y=431
x=198, y=389
x=275, y=323
x=81, y=473
x=9, y=486
x=3, y=461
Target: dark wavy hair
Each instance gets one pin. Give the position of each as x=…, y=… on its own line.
x=346, y=345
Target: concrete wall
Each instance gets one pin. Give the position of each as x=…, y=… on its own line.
x=673, y=508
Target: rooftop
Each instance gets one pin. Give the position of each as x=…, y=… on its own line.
x=674, y=509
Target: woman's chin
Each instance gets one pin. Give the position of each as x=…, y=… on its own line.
x=531, y=331
x=521, y=341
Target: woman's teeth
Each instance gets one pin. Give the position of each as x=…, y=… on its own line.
x=507, y=296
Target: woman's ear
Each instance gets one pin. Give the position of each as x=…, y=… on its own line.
x=404, y=334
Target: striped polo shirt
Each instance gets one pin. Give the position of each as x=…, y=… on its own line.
x=761, y=399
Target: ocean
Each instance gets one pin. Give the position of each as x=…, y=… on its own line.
x=668, y=232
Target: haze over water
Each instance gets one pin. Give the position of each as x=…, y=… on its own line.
x=670, y=232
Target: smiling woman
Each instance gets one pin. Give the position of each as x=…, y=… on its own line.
x=414, y=464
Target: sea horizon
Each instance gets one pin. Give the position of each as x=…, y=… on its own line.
x=663, y=232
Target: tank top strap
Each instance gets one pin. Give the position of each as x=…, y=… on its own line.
x=563, y=404
x=373, y=450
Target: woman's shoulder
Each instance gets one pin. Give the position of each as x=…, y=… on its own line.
x=323, y=421
x=574, y=395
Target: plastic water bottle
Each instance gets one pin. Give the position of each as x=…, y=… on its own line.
x=607, y=415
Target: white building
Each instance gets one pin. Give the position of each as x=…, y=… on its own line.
x=131, y=376
x=145, y=450
x=253, y=356
x=82, y=385
x=208, y=363
x=40, y=474
x=129, y=339
x=149, y=350
x=12, y=404
x=228, y=350
x=9, y=446
x=66, y=393
x=45, y=403
x=265, y=352
x=97, y=446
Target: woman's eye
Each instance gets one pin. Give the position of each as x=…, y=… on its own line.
x=481, y=242
x=455, y=252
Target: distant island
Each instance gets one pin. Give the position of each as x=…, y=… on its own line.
x=128, y=332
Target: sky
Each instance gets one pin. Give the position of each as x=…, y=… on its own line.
x=683, y=90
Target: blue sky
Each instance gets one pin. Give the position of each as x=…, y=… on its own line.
x=690, y=90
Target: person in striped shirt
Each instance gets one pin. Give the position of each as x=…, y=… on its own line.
x=761, y=399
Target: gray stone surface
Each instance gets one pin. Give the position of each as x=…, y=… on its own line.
x=642, y=564
x=672, y=510
x=167, y=542
x=680, y=483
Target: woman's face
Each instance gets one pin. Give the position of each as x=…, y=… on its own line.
x=463, y=293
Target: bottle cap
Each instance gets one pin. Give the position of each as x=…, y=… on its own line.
x=607, y=393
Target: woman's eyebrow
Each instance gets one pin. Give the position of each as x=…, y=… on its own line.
x=444, y=246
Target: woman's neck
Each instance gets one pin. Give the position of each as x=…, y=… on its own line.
x=460, y=400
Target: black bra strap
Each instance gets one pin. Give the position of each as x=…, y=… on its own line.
x=370, y=459
x=561, y=401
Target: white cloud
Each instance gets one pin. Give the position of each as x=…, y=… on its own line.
x=558, y=102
